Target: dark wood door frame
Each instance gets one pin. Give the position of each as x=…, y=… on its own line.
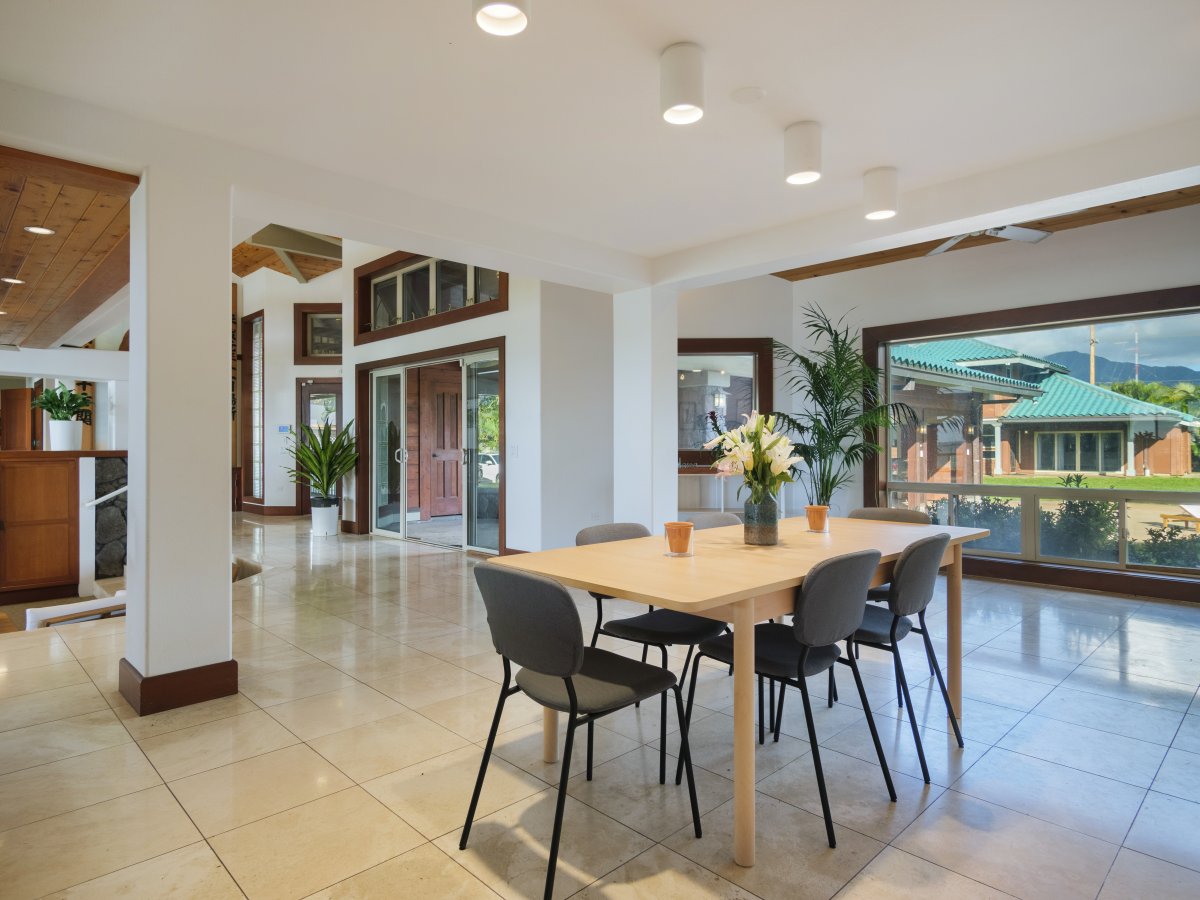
x=363, y=422
x=303, y=505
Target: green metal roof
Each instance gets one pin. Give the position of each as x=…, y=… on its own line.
x=960, y=350
x=938, y=356
x=1064, y=397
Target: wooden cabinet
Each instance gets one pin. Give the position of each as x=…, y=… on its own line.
x=16, y=419
x=39, y=525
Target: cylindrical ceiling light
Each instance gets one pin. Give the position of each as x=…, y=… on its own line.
x=681, y=84
x=880, y=193
x=502, y=17
x=802, y=152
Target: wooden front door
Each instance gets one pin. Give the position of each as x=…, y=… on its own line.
x=441, y=440
x=16, y=419
x=39, y=523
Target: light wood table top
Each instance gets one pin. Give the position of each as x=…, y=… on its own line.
x=724, y=568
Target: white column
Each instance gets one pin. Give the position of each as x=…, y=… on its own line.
x=1130, y=448
x=998, y=463
x=180, y=596
x=645, y=430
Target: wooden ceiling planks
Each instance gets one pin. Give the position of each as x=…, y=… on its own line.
x=88, y=209
x=248, y=258
x=1095, y=215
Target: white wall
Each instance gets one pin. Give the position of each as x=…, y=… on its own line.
x=1139, y=254
x=577, y=412
x=275, y=295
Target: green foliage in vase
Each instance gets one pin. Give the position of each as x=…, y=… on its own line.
x=61, y=403
x=322, y=458
x=843, y=411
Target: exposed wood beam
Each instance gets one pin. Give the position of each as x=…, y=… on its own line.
x=64, y=171
x=287, y=260
x=279, y=237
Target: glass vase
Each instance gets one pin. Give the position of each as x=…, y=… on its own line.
x=762, y=522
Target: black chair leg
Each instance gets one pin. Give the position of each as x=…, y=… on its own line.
x=937, y=671
x=590, y=736
x=762, y=736
x=687, y=715
x=779, y=711
x=558, y=812
x=662, y=741
x=685, y=758
x=771, y=705
x=816, y=755
x=832, y=688
x=487, y=755
x=862, y=696
x=902, y=681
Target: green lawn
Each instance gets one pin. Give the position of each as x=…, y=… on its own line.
x=1135, y=483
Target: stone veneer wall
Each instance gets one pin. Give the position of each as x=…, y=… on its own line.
x=111, y=473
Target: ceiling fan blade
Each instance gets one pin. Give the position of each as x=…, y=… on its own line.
x=1019, y=233
x=946, y=245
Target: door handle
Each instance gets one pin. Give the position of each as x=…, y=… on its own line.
x=400, y=456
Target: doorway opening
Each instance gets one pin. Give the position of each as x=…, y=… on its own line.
x=318, y=403
x=436, y=448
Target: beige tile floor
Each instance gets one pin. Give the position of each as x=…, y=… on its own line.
x=344, y=767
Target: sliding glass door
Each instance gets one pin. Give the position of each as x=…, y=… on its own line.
x=387, y=457
x=481, y=450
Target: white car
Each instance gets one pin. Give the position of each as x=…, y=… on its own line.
x=489, y=467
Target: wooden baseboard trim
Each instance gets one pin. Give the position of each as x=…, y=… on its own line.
x=349, y=526
x=259, y=509
x=33, y=595
x=158, y=693
x=1140, y=584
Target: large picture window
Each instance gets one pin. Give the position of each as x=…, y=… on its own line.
x=406, y=292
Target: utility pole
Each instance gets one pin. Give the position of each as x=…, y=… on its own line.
x=1136, y=358
x=1092, y=342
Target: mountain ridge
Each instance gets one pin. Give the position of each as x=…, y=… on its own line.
x=1108, y=370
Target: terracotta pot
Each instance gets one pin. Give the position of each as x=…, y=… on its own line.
x=818, y=518
x=679, y=538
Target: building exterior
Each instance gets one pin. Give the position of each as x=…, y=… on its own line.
x=983, y=409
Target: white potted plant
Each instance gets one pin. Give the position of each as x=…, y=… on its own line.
x=64, y=407
x=322, y=459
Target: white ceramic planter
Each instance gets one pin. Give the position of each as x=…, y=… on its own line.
x=325, y=520
x=66, y=435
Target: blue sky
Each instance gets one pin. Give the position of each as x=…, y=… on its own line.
x=1162, y=341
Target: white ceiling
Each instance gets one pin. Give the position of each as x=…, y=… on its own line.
x=559, y=127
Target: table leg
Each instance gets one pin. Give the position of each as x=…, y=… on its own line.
x=954, y=615
x=549, y=735
x=743, y=733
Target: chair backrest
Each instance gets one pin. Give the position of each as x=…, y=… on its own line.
x=533, y=620
x=832, y=600
x=891, y=514
x=700, y=521
x=612, y=531
x=916, y=574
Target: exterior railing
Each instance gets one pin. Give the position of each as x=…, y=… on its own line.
x=1096, y=527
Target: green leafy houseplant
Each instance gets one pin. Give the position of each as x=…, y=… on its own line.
x=62, y=404
x=322, y=459
x=842, y=409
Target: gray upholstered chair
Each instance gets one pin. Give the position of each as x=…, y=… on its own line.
x=659, y=628
x=909, y=594
x=704, y=520
x=888, y=514
x=534, y=623
x=829, y=608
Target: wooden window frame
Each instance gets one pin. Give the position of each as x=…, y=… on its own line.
x=1168, y=301
x=364, y=423
x=394, y=262
x=248, y=499
x=300, y=314
x=764, y=378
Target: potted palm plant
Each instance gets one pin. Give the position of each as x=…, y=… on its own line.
x=839, y=393
x=322, y=459
x=64, y=407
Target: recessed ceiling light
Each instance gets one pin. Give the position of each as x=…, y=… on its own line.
x=3, y=313
x=38, y=229
x=8, y=280
x=501, y=18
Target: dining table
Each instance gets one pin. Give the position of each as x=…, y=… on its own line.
x=731, y=581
